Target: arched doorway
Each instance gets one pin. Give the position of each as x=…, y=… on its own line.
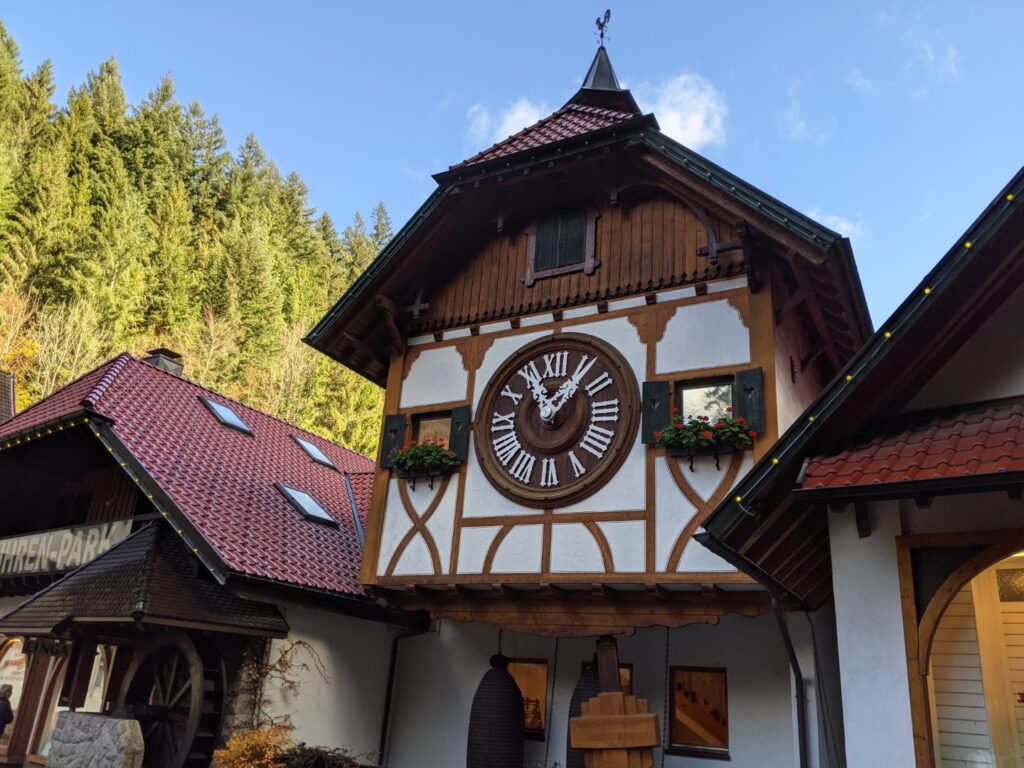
x=972, y=638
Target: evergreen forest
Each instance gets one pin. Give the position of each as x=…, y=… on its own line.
x=128, y=227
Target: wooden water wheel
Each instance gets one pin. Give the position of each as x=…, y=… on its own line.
x=175, y=690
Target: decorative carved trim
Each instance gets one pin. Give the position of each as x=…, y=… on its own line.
x=472, y=351
x=650, y=325
x=411, y=355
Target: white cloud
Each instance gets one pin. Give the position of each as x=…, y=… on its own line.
x=795, y=124
x=934, y=53
x=859, y=82
x=484, y=129
x=852, y=228
x=519, y=115
x=689, y=109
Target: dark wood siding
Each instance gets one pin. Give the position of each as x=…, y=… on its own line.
x=646, y=246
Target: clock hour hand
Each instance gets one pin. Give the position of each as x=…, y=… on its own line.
x=570, y=385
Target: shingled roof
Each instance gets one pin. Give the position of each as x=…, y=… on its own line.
x=600, y=103
x=148, y=578
x=952, y=444
x=216, y=483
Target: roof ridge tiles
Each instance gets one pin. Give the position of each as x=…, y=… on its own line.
x=117, y=364
x=149, y=369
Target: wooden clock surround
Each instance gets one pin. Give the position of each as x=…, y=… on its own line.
x=544, y=460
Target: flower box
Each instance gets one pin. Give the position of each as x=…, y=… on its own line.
x=715, y=449
x=412, y=475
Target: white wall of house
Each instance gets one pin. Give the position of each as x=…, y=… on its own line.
x=344, y=706
x=438, y=674
x=869, y=633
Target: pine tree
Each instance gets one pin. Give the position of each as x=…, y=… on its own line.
x=126, y=225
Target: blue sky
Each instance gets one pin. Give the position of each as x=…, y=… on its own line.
x=894, y=123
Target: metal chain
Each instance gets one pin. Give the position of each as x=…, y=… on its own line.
x=554, y=678
x=664, y=711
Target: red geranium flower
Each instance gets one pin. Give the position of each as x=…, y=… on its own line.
x=752, y=433
x=451, y=453
x=741, y=420
x=728, y=409
x=674, y=409
x=719, y=424
x=707, y=435
x=657, y=435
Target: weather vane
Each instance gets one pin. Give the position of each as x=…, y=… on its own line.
x=602, y=23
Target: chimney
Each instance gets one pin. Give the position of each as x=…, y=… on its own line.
x=165, y=359
x=6, y=396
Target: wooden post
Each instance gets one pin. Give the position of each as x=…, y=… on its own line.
x=608, y=664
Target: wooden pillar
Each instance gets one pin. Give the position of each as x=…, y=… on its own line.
x=608, y=664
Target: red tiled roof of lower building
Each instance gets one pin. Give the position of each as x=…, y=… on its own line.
x=569, y=121
x=977, y=440
x=222, y=479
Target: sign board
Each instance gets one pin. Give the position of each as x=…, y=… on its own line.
x=40, y=646
x=59, y=550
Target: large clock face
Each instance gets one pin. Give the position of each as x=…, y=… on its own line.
x=557, y=420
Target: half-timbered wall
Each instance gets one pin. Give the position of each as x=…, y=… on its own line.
x=639, y=247
x=642, y=521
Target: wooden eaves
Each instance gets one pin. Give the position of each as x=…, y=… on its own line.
x=764, y=515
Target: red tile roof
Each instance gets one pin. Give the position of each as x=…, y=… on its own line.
x=977, y=440
x=221, y=479
x=569, y=121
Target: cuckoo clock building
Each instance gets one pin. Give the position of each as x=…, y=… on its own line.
x=587, y=335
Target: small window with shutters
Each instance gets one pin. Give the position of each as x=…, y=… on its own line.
x=740, y=395
x=450, y=426
x=561, y=243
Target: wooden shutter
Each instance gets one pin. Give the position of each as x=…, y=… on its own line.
x=545, y=252
x=572, y=238
x=748, y=398
x=393, y=437
x=657, y=409
x=458, y=438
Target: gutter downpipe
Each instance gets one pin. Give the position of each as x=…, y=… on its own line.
x=801, y=695
x=389, y=693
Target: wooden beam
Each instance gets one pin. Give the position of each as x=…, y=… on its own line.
x=860, y=513
x=391, y=313
x=608, y=665
x=795, y=299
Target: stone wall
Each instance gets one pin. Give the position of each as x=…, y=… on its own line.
x=83, y=740
x=241, y=699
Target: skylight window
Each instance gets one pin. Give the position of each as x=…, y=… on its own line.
x=306, y=504
x=314, y=452
x=226, y=416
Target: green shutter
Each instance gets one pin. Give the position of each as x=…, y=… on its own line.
x=458, y=438
x=393, y=437
x=748, y=398
x=657, y=409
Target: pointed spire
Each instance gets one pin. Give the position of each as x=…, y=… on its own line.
x=601, y=87
x=601, y=76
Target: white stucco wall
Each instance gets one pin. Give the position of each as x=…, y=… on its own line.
x=438, y=674
x=346, y=709
x=869, y=633
x=993, y=364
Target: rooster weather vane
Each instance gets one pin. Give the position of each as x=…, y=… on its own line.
x=602, y=23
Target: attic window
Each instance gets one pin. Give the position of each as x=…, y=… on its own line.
x=313, y=452
x=226, y=416
x=310, y=508
x=561, y=243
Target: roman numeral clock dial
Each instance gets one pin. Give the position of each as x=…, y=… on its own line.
x=557, y=420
